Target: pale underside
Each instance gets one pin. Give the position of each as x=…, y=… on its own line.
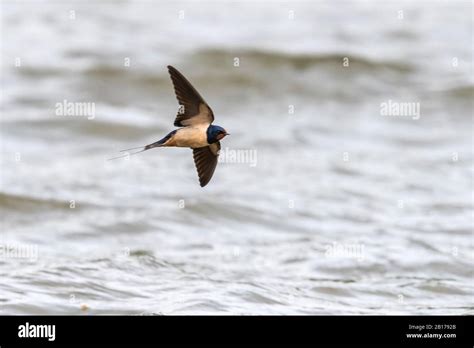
x=191, y=136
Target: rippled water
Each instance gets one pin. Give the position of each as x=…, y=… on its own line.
x=343, y=210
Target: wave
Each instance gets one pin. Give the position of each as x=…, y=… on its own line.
x=62, y=128
x=462, y=92
x=271, y=59
x=216, y=58
x=17, y=202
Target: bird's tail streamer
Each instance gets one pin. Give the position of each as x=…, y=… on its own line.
x=140, y=149
x=127, y=153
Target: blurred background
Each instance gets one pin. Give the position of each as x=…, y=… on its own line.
x=348, y=202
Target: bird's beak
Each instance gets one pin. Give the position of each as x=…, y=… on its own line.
x=227, y=133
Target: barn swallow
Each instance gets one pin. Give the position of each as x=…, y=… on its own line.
x=197, y=132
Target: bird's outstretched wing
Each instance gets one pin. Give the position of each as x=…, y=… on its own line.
x=205, y=159
x=193, y=109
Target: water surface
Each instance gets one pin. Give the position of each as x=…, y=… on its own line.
x=342, y=210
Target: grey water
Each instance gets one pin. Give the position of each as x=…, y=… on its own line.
x=345, y=187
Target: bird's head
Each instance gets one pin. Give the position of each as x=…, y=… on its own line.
x=215, y=133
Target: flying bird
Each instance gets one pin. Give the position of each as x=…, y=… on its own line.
x=196, y=130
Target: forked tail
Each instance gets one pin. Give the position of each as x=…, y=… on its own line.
x=158, y=143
